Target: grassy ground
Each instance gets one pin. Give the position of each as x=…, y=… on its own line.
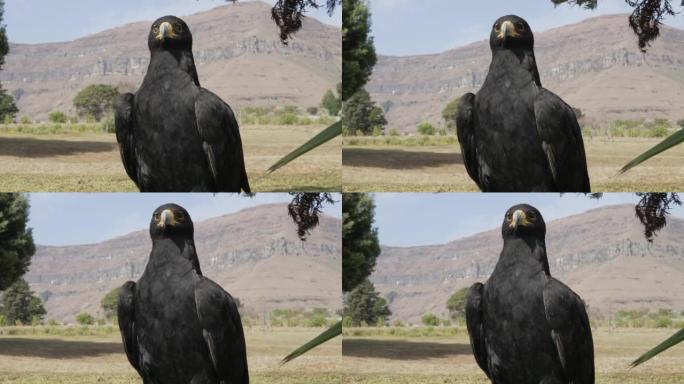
x=439, y=167
x=100, y=359
x=449, y=360
x=90, y=162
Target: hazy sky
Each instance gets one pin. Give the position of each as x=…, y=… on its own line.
x=81, y=218
x=40, y=21
x=406, y=219
x=409, y=27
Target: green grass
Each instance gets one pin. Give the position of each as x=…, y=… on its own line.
x=403, y=141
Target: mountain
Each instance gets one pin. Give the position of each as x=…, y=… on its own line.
x=254, y=254
x=237, y=50
x=594, y=65
x=601, y=254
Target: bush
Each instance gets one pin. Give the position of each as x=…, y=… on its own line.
x=3, y=320
x=430, y=319
x=287, y=119
x=58, y=117
x=398, y=323
x=108, y=125
x=393, y=132
x=426, y=128
x=25, y=120
x=377, y=131
x=84, y=318
x=658, y=131
x=312, y=110
x=8, y=120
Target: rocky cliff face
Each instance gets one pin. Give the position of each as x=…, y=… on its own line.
x=594, y=65
x=601, y=254
x=236, y=48
x=254, y=254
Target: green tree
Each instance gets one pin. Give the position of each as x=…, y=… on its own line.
x=331, y=103
x=449, y=113
x=456, y=303
x=426, y=128
x=358, y=51
x=85, y=318
x=96, y=100
x=110, y=302
x=365, y=306
x=360, y=245
x=8, y=109
x=16, y=240
x=20, y=304
x=360, y=114
x=58, y=117
x=430, y=319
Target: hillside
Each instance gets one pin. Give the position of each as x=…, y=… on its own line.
x=237, y=50
x=254, y=254
x=601, y=254
x=594, y=65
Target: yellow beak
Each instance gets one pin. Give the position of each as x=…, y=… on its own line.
x=165, y=31
x=519, y=219
x=507, y=30
x=166, y=219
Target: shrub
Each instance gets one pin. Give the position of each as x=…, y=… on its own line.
x=430, y=319
x=84, y=318
x=287, y=118
x=426, y=128
x=312, y=110
x=58, y=117
x=393, y=132
x=25, y=120
x=377, y=131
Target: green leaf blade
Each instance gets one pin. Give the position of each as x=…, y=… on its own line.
x=670, y=342
x=669, y=142
x=321, y=138
x=330, y=333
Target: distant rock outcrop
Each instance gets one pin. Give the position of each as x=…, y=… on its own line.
x=602, y=254
x=255, y=254
x=594, y=65
x=237, y=50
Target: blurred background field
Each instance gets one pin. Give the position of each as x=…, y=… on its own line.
x=74, y=355
x=443, y=356
x=58, y=157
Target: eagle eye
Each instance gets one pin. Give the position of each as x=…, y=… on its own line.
x=155, y=28
x=520, y=26
x=531, y=215
x=497, y=27
x=156, y=215
x=179, y=27
x=179, y=216
x=509, y=216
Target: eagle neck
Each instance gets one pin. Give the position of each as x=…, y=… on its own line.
x=175, y=59
x=185, y=247
x=516, y=59
x=526, y=250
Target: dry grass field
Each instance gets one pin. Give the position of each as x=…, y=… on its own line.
x=100, y=359
x=90, y=162
x=439, y=168
x=449, y=360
